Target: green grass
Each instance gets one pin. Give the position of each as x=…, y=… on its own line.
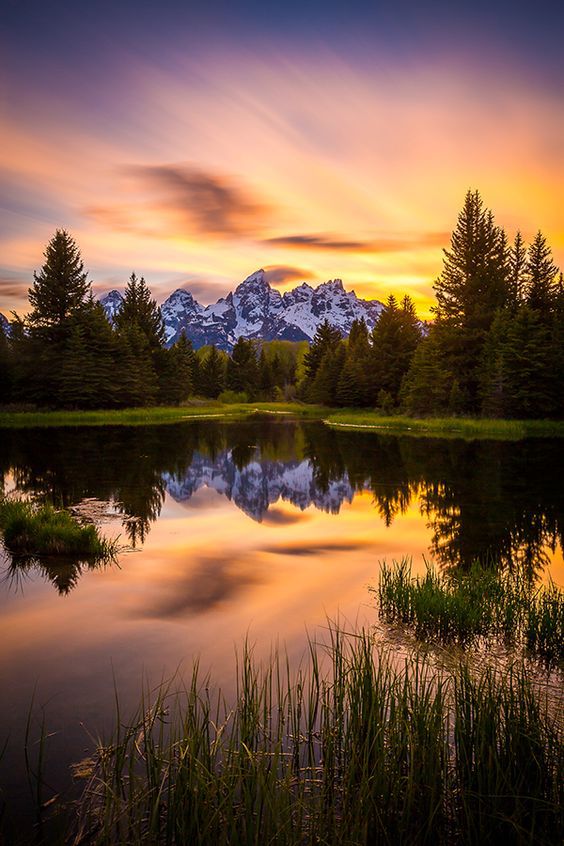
x=153, y=416
x=354, y=748
x=482, y=602
x=353, y=418
x=39, y=531
x=455, y=427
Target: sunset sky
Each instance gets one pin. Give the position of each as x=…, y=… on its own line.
x=196, y=142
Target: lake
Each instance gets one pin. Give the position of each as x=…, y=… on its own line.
x=259, y=529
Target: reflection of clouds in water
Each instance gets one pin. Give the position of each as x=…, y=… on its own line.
x=317, y=548
x=278, y=517
x=212, y=581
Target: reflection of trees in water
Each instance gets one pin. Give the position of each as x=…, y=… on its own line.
x=483, y=500
x=489, y=501
x=63, y=573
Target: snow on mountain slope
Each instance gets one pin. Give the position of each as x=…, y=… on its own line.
x=259, y=484
x=112, y=304
x=256, y=310
x=4, y=324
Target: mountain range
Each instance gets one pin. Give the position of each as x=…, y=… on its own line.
x=260, y=484
x=4, y=324
x=256, y=310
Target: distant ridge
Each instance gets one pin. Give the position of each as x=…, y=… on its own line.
x=256, y=310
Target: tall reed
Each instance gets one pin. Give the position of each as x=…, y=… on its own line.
x=482, y=602
x=351, y=748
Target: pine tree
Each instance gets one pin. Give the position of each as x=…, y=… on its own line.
x=140, y=310
x=427, y=386
x=185, y=365
x=494, y=387
x=60, y=287
x=395, y=338
x=517, y=270
x=473, y=286
x=75, y=388
x=102, y=361
x=323, y=390
x=242, y=368
x=326, y=337
x=266, y=382
x=212, y=374
x=351, y=386
x=6, y=370
x=474, y=280
x=541, y=276
x=138, y=378
x=528, y=366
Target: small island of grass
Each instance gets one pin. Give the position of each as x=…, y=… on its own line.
x=40, y=531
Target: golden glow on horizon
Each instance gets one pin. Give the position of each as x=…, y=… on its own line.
x=208, y=176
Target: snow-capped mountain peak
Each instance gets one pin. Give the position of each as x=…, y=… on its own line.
x=112, y=304
x=257, y=310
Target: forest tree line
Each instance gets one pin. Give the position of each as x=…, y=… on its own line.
x=495, y=347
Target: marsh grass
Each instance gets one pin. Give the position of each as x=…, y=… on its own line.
x=444, y=427
x=32, y=531
x=353, y=748
x=156, y=415
x=480, y=602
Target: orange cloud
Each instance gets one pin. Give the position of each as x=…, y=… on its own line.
x=175, y=200
x=380, y=245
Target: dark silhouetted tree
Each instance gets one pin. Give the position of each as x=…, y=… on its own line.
x=242, y=368
x=60, y=287
x=140, y=310
x=541, y=276
x=212, y=374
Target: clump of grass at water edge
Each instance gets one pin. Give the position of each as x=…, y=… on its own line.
x=481, y=602
x=40, y=531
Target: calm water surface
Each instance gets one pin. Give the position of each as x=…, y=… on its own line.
x=258, y=529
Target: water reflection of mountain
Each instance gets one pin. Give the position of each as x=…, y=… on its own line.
x=259, y=484
x=488, y=500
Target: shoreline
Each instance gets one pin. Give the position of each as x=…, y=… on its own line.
x=349, y=419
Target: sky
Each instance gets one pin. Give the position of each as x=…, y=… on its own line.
x=194, y=143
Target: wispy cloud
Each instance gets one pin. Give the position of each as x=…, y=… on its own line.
x=279, y=274
x=183, y=200
x=338, y=243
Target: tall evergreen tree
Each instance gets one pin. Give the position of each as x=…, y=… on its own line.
x=427, y=387
x=242, y=368
x=528, y=366
x=351, y=385
x=541, y=276
x=140, y=310
x=138, y=378
x=517, y=270
x=266, y=379
x=326, y=337
x=212, y=374
x=60, y=287
x=395, y=338
x=6, y=369
x=325, y=385
x=472, y=287
x=474, y=280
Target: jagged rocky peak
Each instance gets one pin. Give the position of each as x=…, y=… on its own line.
x=257, y=310
x=256, y=280
x=112, y=304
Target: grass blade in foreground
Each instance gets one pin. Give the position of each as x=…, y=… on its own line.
x=351, y=749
